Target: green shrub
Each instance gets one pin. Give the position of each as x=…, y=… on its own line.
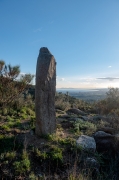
x=17, y=123
x=24, y=155
x=5, y=111
x=67, y=141
x=30, y=112
x=22, y=166
x=23, y=116
x=9, y=118
x=60, y=104
x=5, y=127
x=43, y=155
x=32, y=176
x=88, y=127
x=10, y=155
x=37, y=152
x=50, y=137
x=23, y=110
x=10, y=124
x=62, y=101
x=56, y=154
x=32, y=121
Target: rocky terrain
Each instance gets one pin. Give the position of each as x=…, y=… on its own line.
x=85, y=145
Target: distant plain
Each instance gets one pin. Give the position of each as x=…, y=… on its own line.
x=89, y=95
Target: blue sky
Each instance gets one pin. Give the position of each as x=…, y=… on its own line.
x=83, y=36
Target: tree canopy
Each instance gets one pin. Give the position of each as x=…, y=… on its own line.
x=12, y=83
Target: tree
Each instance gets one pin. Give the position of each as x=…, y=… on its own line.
x=111, y=102
x=12, y=84
x=113, y=98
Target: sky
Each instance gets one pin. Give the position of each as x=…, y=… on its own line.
x=83, y=36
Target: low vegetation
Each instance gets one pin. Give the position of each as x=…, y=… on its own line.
x=55, y=156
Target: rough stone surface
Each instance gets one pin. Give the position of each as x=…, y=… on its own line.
x=105, y=142
x=76, y=111
x=97, y=117
x=86, y=142
x=107, y=130
x=74, y=119
x=100, y=134
x=87, y=118
x=91, y=162
x=64, y=116
x=45, y=93
x=91, y=165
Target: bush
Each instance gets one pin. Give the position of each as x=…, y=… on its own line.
x=110, y=103
x=88, y=127
x=62, y=101
x=56, y=154
x=22, y=166
x=10, y=155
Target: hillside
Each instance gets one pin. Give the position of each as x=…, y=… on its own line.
x=84, y=147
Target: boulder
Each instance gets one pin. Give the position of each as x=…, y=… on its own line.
x=107, y=130
x=76, y=111
x=45, y=93
x=86, y=142
x=97, y=117
x=87, y=118
x=100, y=134
x=74, y=119
x=105, y=142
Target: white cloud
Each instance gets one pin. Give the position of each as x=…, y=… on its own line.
x=87, y=82
x=38, y=29
x=109, y=66
x=22, y=73
x=109, y=78
x=62, y=79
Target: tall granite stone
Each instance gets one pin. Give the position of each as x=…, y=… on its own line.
x=45, y=93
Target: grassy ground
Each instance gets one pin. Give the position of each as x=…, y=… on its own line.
x=23, y=155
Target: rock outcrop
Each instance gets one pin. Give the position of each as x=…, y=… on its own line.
x=107, y=130
x=45, y=93
x=76, y=111
x=106, y=143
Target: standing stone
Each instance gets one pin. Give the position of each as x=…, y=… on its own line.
x=45, y=93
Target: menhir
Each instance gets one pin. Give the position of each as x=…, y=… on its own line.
x=45, y=93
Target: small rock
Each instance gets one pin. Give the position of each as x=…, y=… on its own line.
x=86, y=142
x=32, y=132
x=91, y=162
x=91, y=165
